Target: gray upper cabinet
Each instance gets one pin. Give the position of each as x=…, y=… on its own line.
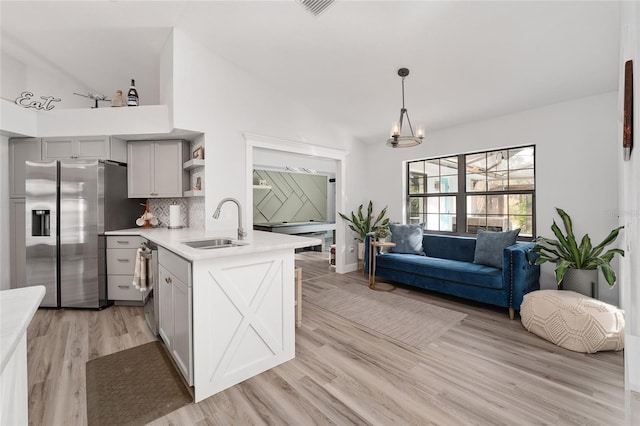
x=21, y=150
x=155, y=168
x=84, y=148
x=140, y=167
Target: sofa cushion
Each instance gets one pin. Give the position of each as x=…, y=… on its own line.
x=444, y=269
x=407, y=238
x=490, y=245
x=448, y=247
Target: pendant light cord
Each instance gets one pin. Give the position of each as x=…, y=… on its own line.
x=404, y=112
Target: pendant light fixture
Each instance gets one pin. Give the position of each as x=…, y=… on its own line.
x=397, y=140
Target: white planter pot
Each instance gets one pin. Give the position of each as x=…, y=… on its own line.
x=360, y=251
x=583, y=281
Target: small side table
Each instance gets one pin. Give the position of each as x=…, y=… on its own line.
x=373, y=246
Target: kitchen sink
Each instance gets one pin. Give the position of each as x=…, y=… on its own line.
x=213, y=243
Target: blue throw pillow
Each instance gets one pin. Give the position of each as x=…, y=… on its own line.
x=407, y=238
x=490, y=245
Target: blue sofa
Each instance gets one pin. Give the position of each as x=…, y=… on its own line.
x=448, y=268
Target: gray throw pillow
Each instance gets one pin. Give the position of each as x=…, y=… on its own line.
x=407, y=238
x=489, y=246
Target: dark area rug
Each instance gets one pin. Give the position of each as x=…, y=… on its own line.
x=133, y=387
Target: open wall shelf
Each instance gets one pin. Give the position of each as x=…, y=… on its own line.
x=194, y=193
x=192, y=164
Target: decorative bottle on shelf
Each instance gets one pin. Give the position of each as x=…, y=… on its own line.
x=132, y=95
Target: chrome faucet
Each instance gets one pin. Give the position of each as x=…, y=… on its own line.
x=216, y=215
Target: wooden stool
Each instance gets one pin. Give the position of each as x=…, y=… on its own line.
x=298, y=301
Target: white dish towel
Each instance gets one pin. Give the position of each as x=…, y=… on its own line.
x=142, y=272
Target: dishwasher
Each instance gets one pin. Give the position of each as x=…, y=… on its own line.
x=151, y=309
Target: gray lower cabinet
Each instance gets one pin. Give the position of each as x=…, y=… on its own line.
x=175, y=305
x=84, y=148
x=155, y=169
x=165, y=303
x=17, y=243
x=121, y=260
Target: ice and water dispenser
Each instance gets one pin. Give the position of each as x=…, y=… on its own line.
x=40, y=223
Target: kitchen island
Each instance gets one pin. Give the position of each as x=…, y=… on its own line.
x=241, y=322
x=17, y=307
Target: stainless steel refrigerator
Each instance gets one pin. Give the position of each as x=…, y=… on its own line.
x=69, y=204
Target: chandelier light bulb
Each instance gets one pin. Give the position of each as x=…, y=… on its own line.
x=395, y=129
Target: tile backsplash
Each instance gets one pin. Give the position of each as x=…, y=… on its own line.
x=191, y=211
x=160, y=209
x=196, y=212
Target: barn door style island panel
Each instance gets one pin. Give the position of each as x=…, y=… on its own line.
x=253, y=296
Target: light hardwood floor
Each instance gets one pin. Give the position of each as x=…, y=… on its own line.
x=487, y=370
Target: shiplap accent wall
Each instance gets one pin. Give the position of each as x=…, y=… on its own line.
x=292, y=197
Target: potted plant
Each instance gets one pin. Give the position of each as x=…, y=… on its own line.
x=581, y=261
x=363, y=225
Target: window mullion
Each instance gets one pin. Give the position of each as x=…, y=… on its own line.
x=461, y=199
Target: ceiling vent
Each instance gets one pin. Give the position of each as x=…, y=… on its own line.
x=316, y=7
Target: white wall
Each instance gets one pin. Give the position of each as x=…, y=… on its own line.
x=630, y=199
x=13, y=76
x=5, y=275
x=213, y=96
x=278, y=161
x=576, y=157
x=42, y=80
x=166, y=76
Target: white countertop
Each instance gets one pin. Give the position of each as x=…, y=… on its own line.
x=255, y=242
x=17, y=307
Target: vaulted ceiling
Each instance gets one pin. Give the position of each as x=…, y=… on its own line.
x=468, y=60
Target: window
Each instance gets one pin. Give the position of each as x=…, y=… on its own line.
x=492, y=190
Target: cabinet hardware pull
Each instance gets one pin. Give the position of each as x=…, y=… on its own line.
x=123, y=260
x=122, y=242
x=167, y=280
x=123, y=286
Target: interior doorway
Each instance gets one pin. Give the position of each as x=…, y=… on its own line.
x=273, y=156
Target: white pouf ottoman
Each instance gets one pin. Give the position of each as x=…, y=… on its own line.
x=573, y=321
